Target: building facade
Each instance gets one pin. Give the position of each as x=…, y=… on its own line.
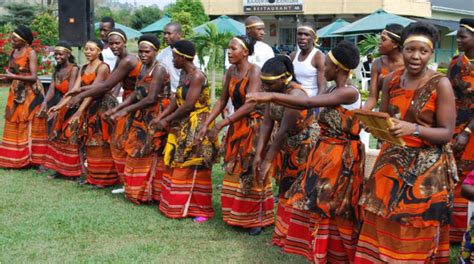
x=282, y=16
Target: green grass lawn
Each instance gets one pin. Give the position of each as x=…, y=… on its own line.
x=58, y=221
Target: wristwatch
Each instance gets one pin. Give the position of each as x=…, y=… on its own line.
x=416, y=133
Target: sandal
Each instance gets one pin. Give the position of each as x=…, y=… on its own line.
x=200, y=219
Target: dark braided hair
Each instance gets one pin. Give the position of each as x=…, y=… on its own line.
x=150, y=38
x=67, y=45
x=186, y=47
x=396, y=29
x=279, y=65
x=421, y=29
x=469, y=22
x=108, y=19
x=248, y=43
x=121, y=32
x=347, y=54
x=25, y=33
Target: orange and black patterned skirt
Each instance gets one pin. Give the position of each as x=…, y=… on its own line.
x=144, y=167
x=187, y=192
x=254, y=209
x=465, y=164
x=25, y=136
x=118, y=138
x=100, y=164
x=384, y=240
x=245, y=202
x=62, y=154
x=293, y=230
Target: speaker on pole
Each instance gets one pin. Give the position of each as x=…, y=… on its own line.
x=76, y=21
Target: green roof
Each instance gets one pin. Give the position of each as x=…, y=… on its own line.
x=327, y=30
x=223, y=24
x=374, y=22
x=157, y=26
x=130, y=32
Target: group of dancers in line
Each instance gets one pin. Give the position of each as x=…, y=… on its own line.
x=162, y=140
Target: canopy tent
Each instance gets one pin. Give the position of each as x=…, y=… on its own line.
x=326, y=31
x=223, y=24
x=130, y=32
x=441, y=23
x=374, y=22
x=157, y=26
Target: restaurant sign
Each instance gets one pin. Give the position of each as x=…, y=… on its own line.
x=272, y=6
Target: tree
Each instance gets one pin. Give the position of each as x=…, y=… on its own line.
x=193, y=7
x=185, y=20
x=212, y=44
x=121, y=16
x=19, y=14
x=144, y=16
x=369, y=45
x=47, y=28
x=103, y=11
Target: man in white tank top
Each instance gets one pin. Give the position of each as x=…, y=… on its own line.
x=308, y=61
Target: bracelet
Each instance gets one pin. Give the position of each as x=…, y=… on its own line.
x=467, y=130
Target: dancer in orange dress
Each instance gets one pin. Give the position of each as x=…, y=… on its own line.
x=390, y=47
x=93, y=130
x=144, y=164
x=187, y=189
x=286, y=154
x=330, y=186
x=461, y=74
x=62, y=154
x=408, y=198
x=245, y=202
x=126, y=73
x=25, y=133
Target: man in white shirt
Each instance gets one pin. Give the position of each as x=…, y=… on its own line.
x=255, y=30
x=105, y=26
x=171, y=34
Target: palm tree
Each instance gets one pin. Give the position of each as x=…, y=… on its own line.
x=212, y=43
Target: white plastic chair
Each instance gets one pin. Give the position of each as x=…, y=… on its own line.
x=362, y=74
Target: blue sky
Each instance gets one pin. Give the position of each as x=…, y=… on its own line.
x=160, y=3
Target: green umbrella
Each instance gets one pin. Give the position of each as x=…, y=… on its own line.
x=374, y=22
x=223, y=24
x=157, y=25
x=326, y=31
x=130, y=32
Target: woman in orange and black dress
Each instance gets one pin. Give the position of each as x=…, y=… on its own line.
x=62, y=154
x=92, y=129
x=461, y=75
x=144, y=165
x=126, y=72
x=390, y=48
x=287, y=151
x=187, y=188
x=25, y=133
x=330, y=186
x=245, y=202
x=408, y=198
